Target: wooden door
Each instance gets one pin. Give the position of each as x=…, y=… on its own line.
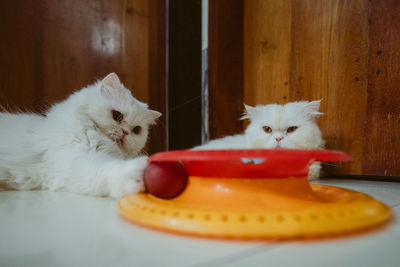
x=345, y=52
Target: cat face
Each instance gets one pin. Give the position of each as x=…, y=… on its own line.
x=121, y=117
x=284, y=126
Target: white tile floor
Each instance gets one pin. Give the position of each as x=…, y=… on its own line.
x=40, y=228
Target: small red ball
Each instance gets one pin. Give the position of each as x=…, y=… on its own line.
x=165, y=179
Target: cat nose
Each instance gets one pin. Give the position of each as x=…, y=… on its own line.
x=125, y=132
x=278, y=139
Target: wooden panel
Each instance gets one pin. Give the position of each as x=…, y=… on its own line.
x=52, y=48
x=329, y=62
x=383, y=112
x=184, y=77
x=88, y=39
x=20, y=55
x=225, y=67
x=157, y=72
x=310, y=50
x=267, y=48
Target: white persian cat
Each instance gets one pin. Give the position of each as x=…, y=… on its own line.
x=290, y=126
x=89, y=144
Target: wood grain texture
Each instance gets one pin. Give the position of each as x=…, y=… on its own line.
x=267, y=51
x=382, y=149
x=329, y=62
x=158, y=72
x=21, y=80
x=310, y=50
x=85, y=40
x=51, y=48
x=225, y=67
x=345, y=52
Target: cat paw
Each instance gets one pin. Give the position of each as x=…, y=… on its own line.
x=130, y=180
x=314, y=171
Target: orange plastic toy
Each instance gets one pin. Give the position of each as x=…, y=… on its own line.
x=255, y=194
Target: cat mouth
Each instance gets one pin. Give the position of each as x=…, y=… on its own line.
x=279, y=145
x=119, y=140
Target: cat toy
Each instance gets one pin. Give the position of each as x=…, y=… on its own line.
x=249, y=194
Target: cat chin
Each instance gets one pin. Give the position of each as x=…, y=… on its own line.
x=287, y=146
x=271, y=144
x=284, y=144
x=278, y=146
x=120, y=142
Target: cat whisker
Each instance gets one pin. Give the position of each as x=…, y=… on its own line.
x=184, y=103
x=329, y=164
x=114, y=135
x=145, y=152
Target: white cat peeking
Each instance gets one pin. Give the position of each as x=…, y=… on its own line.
x=89, y=144
x=290, y=126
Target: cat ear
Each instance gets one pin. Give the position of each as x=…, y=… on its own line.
x=312, y=108
x=249, y=112
x=152, y=115
x=110, y=87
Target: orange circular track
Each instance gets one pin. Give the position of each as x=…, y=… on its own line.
x=256, y=209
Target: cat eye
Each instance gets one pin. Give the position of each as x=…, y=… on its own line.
x=117, y=116
x=291, y=129
x=137, y=130
x=267, y=129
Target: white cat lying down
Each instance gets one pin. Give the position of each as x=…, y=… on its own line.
x=289, y=126
x=89, y=143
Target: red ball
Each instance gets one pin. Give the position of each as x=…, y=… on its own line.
x=165, y=179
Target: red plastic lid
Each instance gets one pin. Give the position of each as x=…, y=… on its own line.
x=256, y=163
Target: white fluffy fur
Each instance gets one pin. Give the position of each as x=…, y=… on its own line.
x=279, y=118
x=78, y=146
